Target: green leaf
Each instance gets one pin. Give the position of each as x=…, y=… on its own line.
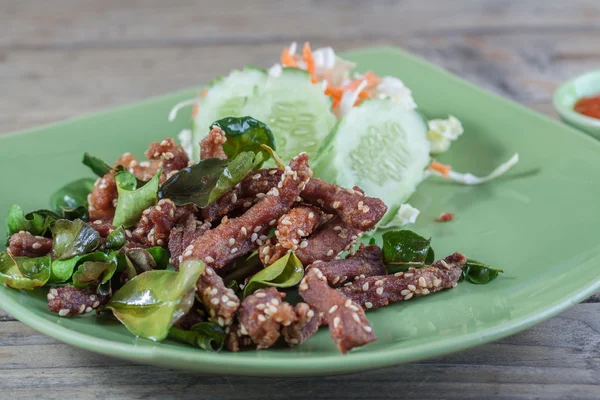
x=150, y=303
x=142, y=260
x=245, y=134
x=404, y=249
x=72, y=195
x=235, y=171
x=160, y=255
x=72, y=238
x=90, y=271
x=36, y=223
x=205, y=335
x=125, y=179
x=285, y=272
x=115, y=240
x=98, y=166
x=71, y=214
x=24, y=272
x=192, y=185
x=131, y=203
x=479, y=273
x=62, y=270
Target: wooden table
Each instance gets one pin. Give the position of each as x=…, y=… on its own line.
x=63, y=58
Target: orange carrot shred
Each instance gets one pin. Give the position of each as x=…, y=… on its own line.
x=195, y=111
x=307, y=56
x=441, y=168
x=287, y=60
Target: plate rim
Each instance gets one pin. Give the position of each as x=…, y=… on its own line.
x=214, y=363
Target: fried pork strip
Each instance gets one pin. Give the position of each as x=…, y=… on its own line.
x=262, y=315
x=301, y=330
x=69, y=301
x=220, y=301
x=327, y=242
x=155, y=225
x=238, y=236
x=251, y=189
x=365, y=262
x=172, y=156
x=348, y=325
x=356, y=210
x=185, y=230
x=379, y=291
x=26, y=245
x=143, y=170
x=211, y=146
x=103, y=198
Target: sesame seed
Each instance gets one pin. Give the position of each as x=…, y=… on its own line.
x=310, y=314
x=187, y=253
x=408, y=296
x=256, y=176
x=81, y=308
x=272, y=222
x=286, y=221
x=399, y=274
x=224, y=299
x=337, y=228
x=267, y=259
x=379, y=291
x=348, y=303
x=330, y=252
x=234, y=198
x=215, y=301
x=261, y=318
x=88, y=309
x=272, y=309
x=336, y=204
x=63, y=312
x=355, y=317
x=304, y=244
x=408, y=275
x=333, y=309
x=221, y=321
x=368, y=304
x=160, y=242
x=274, y=192
x=405, y=292
x=335, y=280
x=275, y=302
x=436, y=282
x=244, y=231
x=367, y=328
x=260, y=195
x=272, y=172
x=209, y=272
x=412, y=287
x=365, y=287
x=422, y=282
x=96, y=304
x=260, y=294
x=97, y=222
x=303, y=286
x=254, y=237
x=261, y=306
x=36, y=245
x=445, y=264
x=265, y=250
x=214, y=291
x=379, y=283
x=259, y=242
x=231, y=241
x=247, y=204
x=300, y=232
x=234, y=250
x=50, y=296
x=93, y=298
x=424, y=291
x=336, y=322
x=209, y=259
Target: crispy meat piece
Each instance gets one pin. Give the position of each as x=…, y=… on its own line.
x=185, y=230
x=244, y=194
x=26, y=245
x=348, y=325
x=365, y=262
x=69, y=301
x=297, y=224
x=379, y=291
x=356, y=210
x=262, y=314
x=445, y=217
x=271, y=251
x=211, y=146
x=236, y=340
x=155, y=225
x=327, y=242
x=220, y=301
x=238, y=236
x=143, y=170
x=103, y=198
x=102, y=227
x=305, y=327
x=172, y=156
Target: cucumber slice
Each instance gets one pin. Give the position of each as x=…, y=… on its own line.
x=225, y=98
x=379, y=146
x=296, y=110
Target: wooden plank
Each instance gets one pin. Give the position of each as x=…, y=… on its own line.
x=557, y=359
x=114, y=23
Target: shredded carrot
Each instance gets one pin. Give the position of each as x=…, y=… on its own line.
x=307, y=56
x=195, y=111
x=204, y=92
x=288, y=60
x=441, y=168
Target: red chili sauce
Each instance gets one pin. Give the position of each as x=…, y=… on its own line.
x=589, y=106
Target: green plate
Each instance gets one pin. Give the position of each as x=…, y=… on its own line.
x=537, y=223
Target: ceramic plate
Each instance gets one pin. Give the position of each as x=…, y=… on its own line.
x=537, y=223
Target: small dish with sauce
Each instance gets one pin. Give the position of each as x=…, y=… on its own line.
x=578, y=102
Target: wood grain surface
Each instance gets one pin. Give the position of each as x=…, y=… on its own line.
x=63, y=58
